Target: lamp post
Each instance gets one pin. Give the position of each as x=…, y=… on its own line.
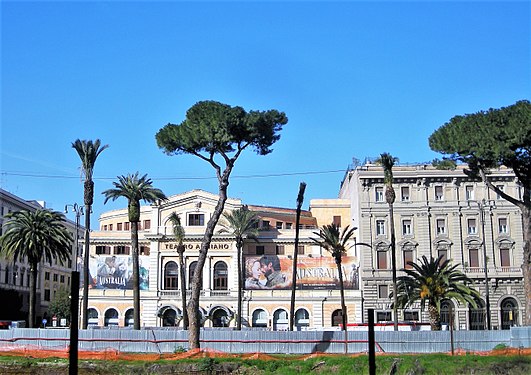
x=74, y=297
x=490, y=204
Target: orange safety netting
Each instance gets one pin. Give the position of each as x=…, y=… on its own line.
x=113, y=354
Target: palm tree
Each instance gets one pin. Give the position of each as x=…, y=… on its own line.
x=242, y=224
x=135, y=189
x=178, y=233
x=35, y=236
x=387, y=162
x=432, y=281
x=336, y=241
x=88, y=152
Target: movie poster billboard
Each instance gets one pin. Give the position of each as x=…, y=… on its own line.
x=275, y=272
x=116, y=272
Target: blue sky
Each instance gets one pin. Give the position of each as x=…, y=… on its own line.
x=355, y=79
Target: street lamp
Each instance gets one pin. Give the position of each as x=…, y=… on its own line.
x=74, y=298
x=490, y=204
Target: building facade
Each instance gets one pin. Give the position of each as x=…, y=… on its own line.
x=268, y=266
x=15, y=276
x=440, y=213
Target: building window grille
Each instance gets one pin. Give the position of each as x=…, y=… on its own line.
x=380, y=227
x=379, y=194
x=196, y=220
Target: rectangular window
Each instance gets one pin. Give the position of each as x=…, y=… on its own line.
x=405, y=193
x=289, y=225
x=121, y=250
x=62, y=279
x=469, y=193
x=105, y=227
x=408, y=257
x=473, y=255
x=337, y=221
x=103, y=250
x=266, y=224
x=383, y=291
x=442, y=252
x=505, y=260
x=411, y=316
x=127, y=226
x=380, y=227
x=381, y=258
x=119, y=226
x=472, y=229
x=55, y=277
x=379, y=194
x=110, y=227
x=300, y=249
x=46, y=275
x=383, y=316
x=440, y=224
x=147, y=224
x=260, y=250
x=196, y=220
x=47, y=294
x=144, y=250
x=439, y=195
x=407, y=229
x=502, y=225
x=279, y=225
x=280, y=249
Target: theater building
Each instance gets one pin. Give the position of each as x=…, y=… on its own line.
x=441, y=213
x=267, y=293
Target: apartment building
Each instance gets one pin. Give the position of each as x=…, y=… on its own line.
x=440, y=213
x=267, y=294
x=15, y=276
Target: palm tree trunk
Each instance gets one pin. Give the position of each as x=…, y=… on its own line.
x=239, y=247
x=136, y=278
x=86, y=259
x=393, y=265
x=526, y=265
x=435, y=318
x=343, y=306
x=32, y=295
x=183, y=286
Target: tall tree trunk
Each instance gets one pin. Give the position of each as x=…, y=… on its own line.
x=239, y=247
x=393, y=266
x=32, y=295
x=300, y=199
x=193, y=305
x=183, y=285
x=136, y=278
x=343, y=306
x=526, y=264
x=435, y=318
x=88, y=200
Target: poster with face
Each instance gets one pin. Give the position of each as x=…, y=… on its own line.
x=275, y=272
x=116, y=271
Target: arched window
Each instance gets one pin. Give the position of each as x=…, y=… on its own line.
x=447, y=307
x=171, y=276
x=477, y=317
x=92, y=315
x=280, y=320
x=191, y=272
x=129, y=318
x=509, y=311
x=260, y=318
x=220, y=276
x=220, y=318
x=302, y=318
x=111, y=318
x=169, y=318
x=337, y=318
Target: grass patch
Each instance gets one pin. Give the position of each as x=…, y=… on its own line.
x=422, y=364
